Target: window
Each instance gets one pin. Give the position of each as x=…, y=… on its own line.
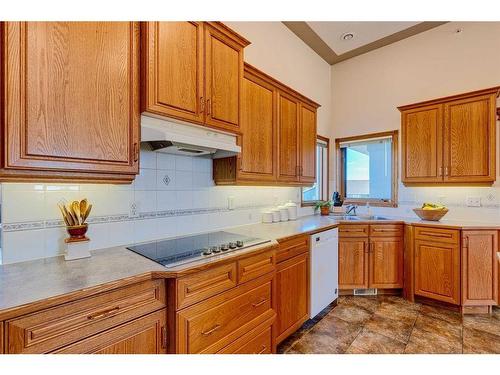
x=367, y=169
x=319, y=191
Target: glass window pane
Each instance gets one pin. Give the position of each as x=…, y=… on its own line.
x=368, y=169
x=316, y=192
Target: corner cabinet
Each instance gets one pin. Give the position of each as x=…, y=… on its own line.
x=70, y=101
x=278, y=136
x=450, y=140
x=193, y=71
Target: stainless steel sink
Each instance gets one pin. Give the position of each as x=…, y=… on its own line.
x=357, y=217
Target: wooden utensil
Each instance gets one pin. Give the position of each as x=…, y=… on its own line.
x=87, y=213
x=83, y=209
x=75, y=208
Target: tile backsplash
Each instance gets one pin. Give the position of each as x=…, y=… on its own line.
x=172, y=195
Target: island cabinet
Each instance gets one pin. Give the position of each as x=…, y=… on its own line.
x=370, y=256
x=278, y=136
x=70, y=101
x=127, y=320
x=437, y=263
x=193, y=71
x=225, y=308
x=292, y=286
x=450, y=140
x=479, y=268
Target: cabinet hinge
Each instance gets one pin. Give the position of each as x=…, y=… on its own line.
x=164, y=337
x=136, y=151
x=465, y=243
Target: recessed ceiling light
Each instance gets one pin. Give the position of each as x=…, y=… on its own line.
x=347, y=36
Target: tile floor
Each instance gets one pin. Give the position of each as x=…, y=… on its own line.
x=389, y=324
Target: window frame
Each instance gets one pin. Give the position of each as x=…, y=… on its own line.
x=326, y=140
x=393, y=202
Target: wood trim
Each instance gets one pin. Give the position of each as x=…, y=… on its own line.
x=395, y=168
x=281, y=86
x=314, y=41
x=490, y=90
x=409, y=264
x=312, y=203
x=222, y=28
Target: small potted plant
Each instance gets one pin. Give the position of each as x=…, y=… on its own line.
x=324, y=207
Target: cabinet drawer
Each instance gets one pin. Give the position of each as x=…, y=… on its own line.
x=146, y=335
x=49, y=329
x=205, y=284
x=290, y=248
x=252, y=267
x=211, y=325
x=353, y=230
x=451, y=236
x=386, y=230
x=257, y=341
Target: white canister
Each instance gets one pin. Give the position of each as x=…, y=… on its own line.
x=292, y=210
x=283, y=213
x=276, y=215
x=267, y=217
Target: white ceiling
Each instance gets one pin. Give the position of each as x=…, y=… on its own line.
x=364, y=33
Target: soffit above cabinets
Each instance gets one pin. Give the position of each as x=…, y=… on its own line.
x=331, y=41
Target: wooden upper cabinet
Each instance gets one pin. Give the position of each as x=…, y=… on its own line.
x=450, y=140
x=469, y=139
x=71, y=107
x=258, y=127
x=173, y=69
x=307, y=143
x=193, y=71
x=479, y=268
x=288, y=135
x=422, y=135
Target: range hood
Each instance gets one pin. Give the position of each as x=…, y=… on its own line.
x=186, y=139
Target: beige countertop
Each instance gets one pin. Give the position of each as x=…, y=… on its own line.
x=35, y=281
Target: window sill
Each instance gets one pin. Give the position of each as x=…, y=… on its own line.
x=373, y=203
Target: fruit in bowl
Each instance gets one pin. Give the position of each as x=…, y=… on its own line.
x=431, y=211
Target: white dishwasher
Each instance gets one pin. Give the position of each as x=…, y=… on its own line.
x=324, y=271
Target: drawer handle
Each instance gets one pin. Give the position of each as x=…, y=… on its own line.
x=353, y=230
x=431, y=234
x=210, y=331
x=103, y=314
x=263, y=349
x=259, y=303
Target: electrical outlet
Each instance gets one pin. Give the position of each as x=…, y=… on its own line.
x=134, y=209
x=473, y=202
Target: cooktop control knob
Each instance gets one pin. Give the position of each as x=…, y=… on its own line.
x=239, y=243
x=207, y=251
x=224, y=247
x=232, y=245
x=215, y=249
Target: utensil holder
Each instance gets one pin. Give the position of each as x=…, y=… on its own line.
x=77, y=249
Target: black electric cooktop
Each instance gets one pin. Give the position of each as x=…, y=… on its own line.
x=177, y=251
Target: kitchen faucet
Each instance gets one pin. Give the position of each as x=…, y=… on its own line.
x=350, y=208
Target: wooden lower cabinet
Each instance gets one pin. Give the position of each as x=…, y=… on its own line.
x=437, y=271
x=292, y=295
x=353, y=263
x=386, y=262
x=479, y=268
x=146, y=335
x=257, y=341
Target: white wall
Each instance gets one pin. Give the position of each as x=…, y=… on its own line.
x=367, y=89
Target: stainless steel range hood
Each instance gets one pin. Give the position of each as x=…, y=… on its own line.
x=186, y=139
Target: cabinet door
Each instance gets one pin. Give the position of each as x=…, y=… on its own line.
x=386, y=262
x=146, y=335
x=422, y=144
x=437, y=271
x=292, y=291
x=353, y=263
x=307, y=143
x=258, y=127
x=469, y=139
x=223, y=77
x=288, y=135
x=72, y=96
x=173, y=69
x=479, y=268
